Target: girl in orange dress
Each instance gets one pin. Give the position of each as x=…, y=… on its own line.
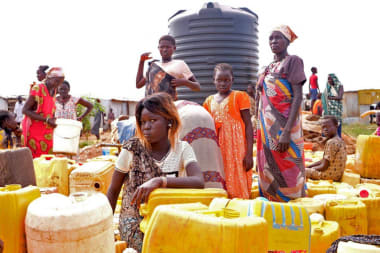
x=230, y=111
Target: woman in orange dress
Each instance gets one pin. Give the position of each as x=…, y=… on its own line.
x=230, y=111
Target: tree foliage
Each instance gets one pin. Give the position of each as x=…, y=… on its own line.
x=86, y=120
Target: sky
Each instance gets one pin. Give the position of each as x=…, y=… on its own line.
x=98, y=43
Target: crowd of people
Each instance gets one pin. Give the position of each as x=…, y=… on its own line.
x=268, y=114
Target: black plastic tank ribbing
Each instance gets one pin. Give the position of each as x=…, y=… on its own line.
x=216, y=34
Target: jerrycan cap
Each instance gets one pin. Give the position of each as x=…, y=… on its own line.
x=363, y=193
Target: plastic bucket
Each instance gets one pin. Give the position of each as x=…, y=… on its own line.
x=66, y=136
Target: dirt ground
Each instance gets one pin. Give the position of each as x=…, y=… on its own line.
x=94, y=150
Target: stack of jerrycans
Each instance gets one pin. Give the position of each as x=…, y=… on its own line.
x=53, y=171
x=14, y=202
x=93, y=176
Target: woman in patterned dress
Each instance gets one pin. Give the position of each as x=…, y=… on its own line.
x=39, y=109
x=280, y=154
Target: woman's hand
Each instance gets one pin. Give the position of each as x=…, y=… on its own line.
x=284, y=142
x=248, y=161
x=179, y=82
x=141, y=195
x=80, y=118
x=51, y=122
x=145, y=57
x=18, y=132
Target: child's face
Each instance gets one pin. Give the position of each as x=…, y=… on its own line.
x=166, y=49
x=223, y=81
x=153, y=126
x=328, y=128
x=11, y=123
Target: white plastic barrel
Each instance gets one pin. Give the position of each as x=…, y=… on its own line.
x=75, y=224
x=66, y=136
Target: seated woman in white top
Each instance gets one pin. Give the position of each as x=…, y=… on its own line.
x=155, y=159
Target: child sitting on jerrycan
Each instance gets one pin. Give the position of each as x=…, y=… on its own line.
x=332, y=165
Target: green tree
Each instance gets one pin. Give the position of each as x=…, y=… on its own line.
x=86, y=120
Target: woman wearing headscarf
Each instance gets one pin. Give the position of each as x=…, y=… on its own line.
x=39, y=109
x=332, y=100
x=280, y=156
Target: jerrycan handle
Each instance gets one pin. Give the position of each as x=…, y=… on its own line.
x=12, y=187
x=47, y=157
x=78, y=197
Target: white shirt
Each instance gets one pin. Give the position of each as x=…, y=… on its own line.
x=18, y=111
x=175, y=161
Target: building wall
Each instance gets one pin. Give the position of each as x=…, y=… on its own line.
x=350, y=104
x=368, y=97
x=3, y=104
x=132, y=108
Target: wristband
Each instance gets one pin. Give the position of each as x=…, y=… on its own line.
x=164, y=182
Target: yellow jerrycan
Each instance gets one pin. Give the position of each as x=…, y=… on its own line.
x=369, y=181
x=351, y=214
x=323, y=234
x=14, y=202
x=243, y=206
x=177, y=196
x=288, y=225
x=317, y=187
x=173, y=229
x=367, y=156
x=350, y=178
x=120, y=246
x=52, y=171
x=255, y=192
x=311, y=205
x=93, y=176
x=372, y=202
x=350, y=163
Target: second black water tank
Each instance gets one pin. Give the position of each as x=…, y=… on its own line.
x=216, y=34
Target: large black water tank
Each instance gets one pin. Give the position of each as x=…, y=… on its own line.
x=216, y=34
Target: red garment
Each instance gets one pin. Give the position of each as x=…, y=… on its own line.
x=313, y=81
x=38, y=135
